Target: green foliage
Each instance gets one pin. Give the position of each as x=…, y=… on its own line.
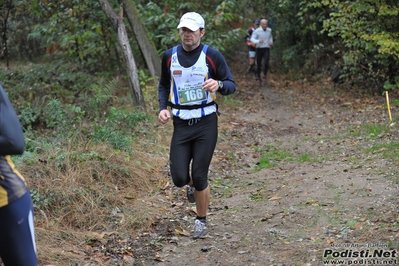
x=120, y=119
x=369, y=33
x=33, y=82
x=292, y=57
x=78, y=30
x=17, y=22
x=118, y=140
x=395, y=102
x=360, y=37
x=52, y=114
x=41, y=199
x=117, y=128
x=144, y=78
x=63, y=159
x=99, y=96
x=162, y=25
x=62, y=117
x=290, y=43
x=67, y=112
x=392, y=84
x=28, y=116
x=219, y=33
x=55, y=115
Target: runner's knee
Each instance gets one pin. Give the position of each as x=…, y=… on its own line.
x=201, y=184
x=180, y=180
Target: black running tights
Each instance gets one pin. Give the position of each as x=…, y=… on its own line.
x=193, y=142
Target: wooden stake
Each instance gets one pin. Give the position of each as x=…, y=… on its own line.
x=389, y=108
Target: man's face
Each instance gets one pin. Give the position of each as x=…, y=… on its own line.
x=263, y=23
x=190, y=39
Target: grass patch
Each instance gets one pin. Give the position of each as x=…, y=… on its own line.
x=373, y=131
x=223, y=188
x=260, y=194
x=265, y=162
x=369, y=131
x=387, y=150
x=257, y=196
x=309, y=158
x=272, y=156
x=230, y=102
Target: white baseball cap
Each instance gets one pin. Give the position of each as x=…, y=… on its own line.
x=191, y=20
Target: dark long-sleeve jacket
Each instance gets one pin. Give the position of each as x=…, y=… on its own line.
x=11, y=136
x=12, y=183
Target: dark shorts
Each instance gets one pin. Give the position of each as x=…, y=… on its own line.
x=17, y=241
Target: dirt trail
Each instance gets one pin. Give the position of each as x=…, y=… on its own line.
x=324, y=189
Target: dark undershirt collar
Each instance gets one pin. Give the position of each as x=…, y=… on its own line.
x=193, y=51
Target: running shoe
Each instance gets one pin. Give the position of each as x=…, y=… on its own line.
x=200, y=230
x=190, y=193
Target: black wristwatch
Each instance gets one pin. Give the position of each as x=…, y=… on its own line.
x=220, y=84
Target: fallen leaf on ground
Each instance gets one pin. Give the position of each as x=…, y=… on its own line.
x=275, y=198
x=184, y=233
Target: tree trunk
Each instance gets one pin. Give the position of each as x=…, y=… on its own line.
x=119, y=27
x=146, y=45
x=7, y=7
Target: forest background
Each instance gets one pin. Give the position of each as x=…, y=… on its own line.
x=92, y=150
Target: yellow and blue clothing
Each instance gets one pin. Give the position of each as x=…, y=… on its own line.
x=17, y=241
x=12, y=183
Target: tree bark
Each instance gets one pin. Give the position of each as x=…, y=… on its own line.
x=123, y=41
x=7, y=7
x=146, y=45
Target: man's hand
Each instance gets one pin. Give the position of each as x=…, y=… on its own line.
x=210, y=85
x=164, y=116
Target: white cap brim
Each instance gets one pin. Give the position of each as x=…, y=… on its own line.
x=187, y=24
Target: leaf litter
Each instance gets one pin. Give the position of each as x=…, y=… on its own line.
x=285, y=214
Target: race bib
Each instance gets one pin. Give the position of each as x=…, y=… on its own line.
x=192, y=94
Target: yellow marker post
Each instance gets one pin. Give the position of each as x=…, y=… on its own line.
x=389, y=108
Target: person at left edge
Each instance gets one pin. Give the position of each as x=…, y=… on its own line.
x=192, y=73
x=17, y=240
